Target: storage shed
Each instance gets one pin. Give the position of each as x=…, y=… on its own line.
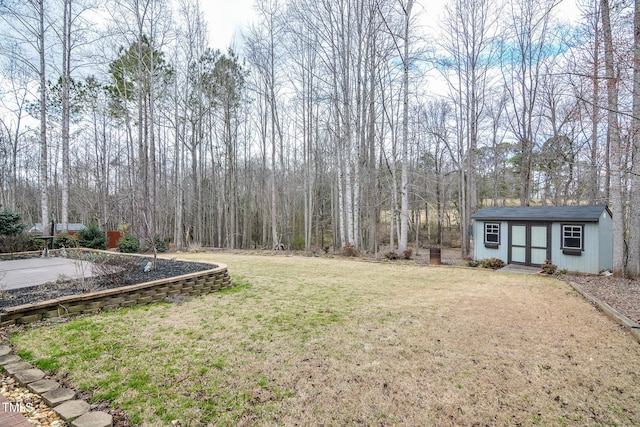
x=575, y=238
x=38, y=228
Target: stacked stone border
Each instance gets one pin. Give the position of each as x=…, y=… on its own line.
x=187, y=285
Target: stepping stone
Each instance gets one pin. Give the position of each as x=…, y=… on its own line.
x=72, y=409
x=58, y=396
x=8, y=359
x=28, y=376
x=43, y=386
x=94, y=419
x=12, y=368
x=4, y=350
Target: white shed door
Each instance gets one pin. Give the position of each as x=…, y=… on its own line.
x=519, y=244
x=538, y=244
x=529, y=243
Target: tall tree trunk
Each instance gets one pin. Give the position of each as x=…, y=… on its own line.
x=613, y=135
x=66, y=83
x=274, y=188
x=178, y=202
x=633, y=260
x=44, y=157
x=404, y=190
x=595, y=176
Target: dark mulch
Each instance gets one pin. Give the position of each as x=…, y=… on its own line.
x=621, y=294
x=135, y=274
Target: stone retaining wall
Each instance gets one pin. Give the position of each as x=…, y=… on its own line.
x=24, y=255
x=202, y=282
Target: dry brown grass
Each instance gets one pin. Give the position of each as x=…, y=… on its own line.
x=311, y=341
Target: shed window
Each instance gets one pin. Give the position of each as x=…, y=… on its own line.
x=491, y=234
x=572, y=239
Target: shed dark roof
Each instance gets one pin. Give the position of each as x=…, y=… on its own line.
x=37, y=227
x=543, y=213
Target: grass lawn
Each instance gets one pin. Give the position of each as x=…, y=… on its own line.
x=313, y=341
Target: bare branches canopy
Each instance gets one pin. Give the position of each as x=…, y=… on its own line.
x=363, y=123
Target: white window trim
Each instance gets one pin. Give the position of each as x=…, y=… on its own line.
x=571, y=228
x=495, y=231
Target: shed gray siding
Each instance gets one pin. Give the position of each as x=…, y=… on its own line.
x=606, y=242
x=480, y=251
x=588, y=261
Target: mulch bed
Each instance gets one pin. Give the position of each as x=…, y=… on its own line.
x=621, y=294
x=164, y=269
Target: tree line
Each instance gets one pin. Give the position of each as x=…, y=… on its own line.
x=336, y=123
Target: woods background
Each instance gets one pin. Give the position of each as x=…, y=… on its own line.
x=336, y=122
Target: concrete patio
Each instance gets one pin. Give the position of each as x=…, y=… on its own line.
x=22, y=273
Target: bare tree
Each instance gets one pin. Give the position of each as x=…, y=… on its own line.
x=404, y=186
x=470, y=28
x=27, y=22
x=265, y=55
x=17, y=79
x=523, y=72
x=613, y=134
x=633, y=259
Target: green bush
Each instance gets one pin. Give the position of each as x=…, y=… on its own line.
x=470, y=262
x=21, y=242
x=161, y=244
x=492, y=263
x=129, y=244
x=391, y=255
x=297, y=243
x=65, y=240
x=349, y=250
x=92, y=237
x=10, y=223
x=548, y=267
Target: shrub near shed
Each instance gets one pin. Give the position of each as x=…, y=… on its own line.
x=92, y=237
x=492, y=263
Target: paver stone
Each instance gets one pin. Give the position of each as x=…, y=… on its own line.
x=72, y=409
x=58, y=396
x=8, y=359
x=28, y=376
x=12, y=368
x=93, y=419
x=4, y=350
x=43, y=386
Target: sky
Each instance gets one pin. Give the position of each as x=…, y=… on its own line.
x=226, y=20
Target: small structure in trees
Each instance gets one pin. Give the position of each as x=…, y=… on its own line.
x=38, y=228
x=575, y=238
